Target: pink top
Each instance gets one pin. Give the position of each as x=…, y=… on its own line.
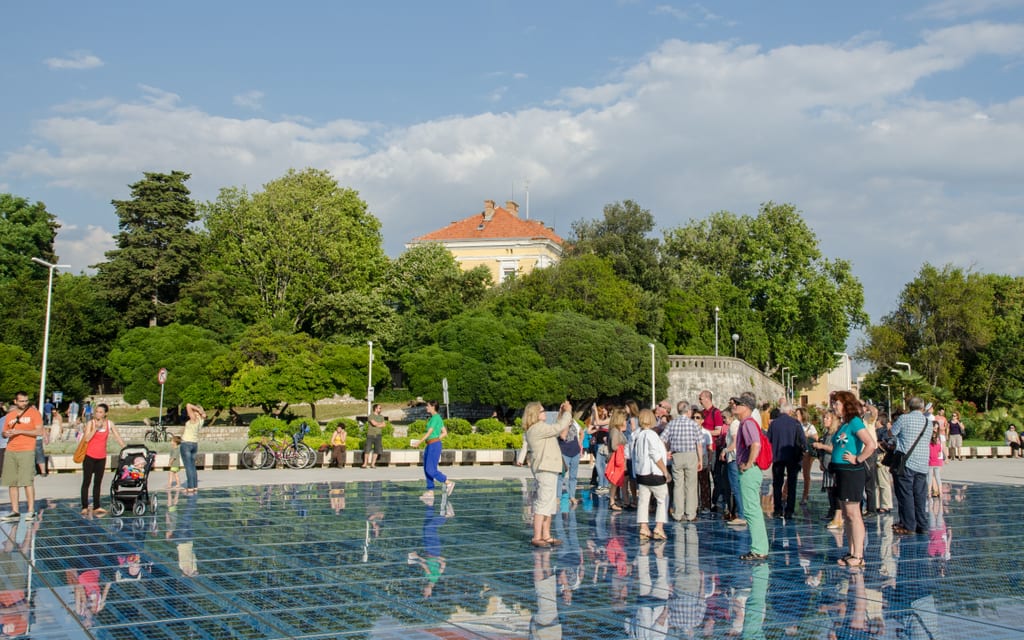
x=97, y=448
x=935, y=455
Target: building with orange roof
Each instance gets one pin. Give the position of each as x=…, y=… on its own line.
x=499, y=239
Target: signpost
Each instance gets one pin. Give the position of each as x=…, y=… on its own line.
x=161, y=377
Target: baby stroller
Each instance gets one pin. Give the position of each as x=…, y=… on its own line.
x=130, y=486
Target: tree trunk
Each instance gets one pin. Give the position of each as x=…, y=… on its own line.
x=312, y=409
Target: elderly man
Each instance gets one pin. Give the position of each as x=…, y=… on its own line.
x=786, y=435
x=912, y=431
x=748, y=445
x=682, y=436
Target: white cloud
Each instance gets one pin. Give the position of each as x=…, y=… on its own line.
x=249, y=100
x=885, y=176
x=83, y=247
x=957, y=9
x=75, y=60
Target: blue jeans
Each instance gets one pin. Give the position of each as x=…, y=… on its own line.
x=188, y=460
x=431, y=457
x=600, y=462
x=734, y=485
x=569, y=476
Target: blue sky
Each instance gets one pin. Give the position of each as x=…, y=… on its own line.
x=897, y=128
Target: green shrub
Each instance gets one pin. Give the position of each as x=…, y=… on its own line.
x=394, y=395
x=458, y=426
x=417, y=429
x=266, y=426
x=490, y=425
x=295, y=425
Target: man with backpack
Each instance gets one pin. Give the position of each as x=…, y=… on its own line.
x=748, y=448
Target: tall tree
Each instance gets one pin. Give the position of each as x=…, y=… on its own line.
x=623, y=238
x=26, y=231
x=790, y=305
x=293, y=253
x=157, y=251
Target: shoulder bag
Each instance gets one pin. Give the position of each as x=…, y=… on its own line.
x=897, y=460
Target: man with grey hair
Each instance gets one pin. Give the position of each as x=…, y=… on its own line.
x=786, y=435
x=748, y=446
x=682, y=436
x=913, y=432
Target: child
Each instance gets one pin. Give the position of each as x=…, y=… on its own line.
x=136, y=470
x=935, y=461
x=174, y=475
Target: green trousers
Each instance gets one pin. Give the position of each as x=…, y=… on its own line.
x=750, y=489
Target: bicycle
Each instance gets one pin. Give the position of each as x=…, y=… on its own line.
x=266, y=453
x=156, y=434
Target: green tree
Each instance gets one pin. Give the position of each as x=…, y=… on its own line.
x=789, y=304
x=26, y=231
x=83, y=327
x=18, y=372
x=292, y=252
x=623, y=238
x=157, y=251
x=139, y=354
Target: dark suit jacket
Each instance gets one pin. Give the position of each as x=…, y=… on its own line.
x=788, y=440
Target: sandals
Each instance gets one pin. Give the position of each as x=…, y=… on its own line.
x=659, y=535
x=543, y=544
x=615, y=507
x=900, y=530
x=754, y=557
x=645, y=535
x=554, y=542
x=850, y=560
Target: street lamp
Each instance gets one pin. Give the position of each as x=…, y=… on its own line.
x=369, y=384
x=904, y=364
x=716, y=332
x=888, y=400
x=735, y=339
x=903, y=395
x=653, y=401
x=785, y=387
x=46, y=327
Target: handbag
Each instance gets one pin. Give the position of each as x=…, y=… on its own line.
x=79, y=456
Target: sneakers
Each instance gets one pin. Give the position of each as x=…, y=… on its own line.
x=13, y=516
x=30, y=516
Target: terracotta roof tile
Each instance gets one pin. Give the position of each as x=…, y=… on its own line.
x=503, y=225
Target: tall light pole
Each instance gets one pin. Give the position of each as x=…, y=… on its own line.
x=653, y=401
x=369, y=384
x=785, y=387
x=903, y=395
x=46, y=327
x=716, y=332
x=735, y=339
x=904, y=364
x=888, y=400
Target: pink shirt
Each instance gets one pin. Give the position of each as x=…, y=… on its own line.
x=935, y=455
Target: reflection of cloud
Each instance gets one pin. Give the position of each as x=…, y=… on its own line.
x=82, y=248
x=249, y=100
x=886, y=177
x=75, y=60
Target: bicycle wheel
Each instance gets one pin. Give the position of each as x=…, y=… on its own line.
x=295, y=457
x=311, y=462
x=151, y=436
x=270, y=459
x=252, y=456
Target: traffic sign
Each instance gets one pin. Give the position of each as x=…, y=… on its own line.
x=161, y=377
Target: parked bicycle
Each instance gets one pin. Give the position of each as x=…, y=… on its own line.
x=268, y=452
x=158, y=433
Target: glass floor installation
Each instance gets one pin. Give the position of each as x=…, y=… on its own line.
x=372, y=560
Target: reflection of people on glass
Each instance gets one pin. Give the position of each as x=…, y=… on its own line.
x=430, y=561
x=650, y=618
x=754, y=607
x=14, y=577
x=90, y=594
x=182, y=532
x=131, y=567
x=570, y=555
x=690, y=591
x=544, y=622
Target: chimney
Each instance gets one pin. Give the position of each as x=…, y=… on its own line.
x=488, y=209
x=512, y=208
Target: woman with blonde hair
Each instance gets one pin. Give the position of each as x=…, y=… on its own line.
x=870, y=418
x=617, y=440
x=649, y=462
x=546, y=464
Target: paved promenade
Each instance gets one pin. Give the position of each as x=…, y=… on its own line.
x=354, y=553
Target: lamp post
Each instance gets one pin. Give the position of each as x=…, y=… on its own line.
x=888, y=400
x=904, y=364
x=369, y=384
x=735, y=339
x=903, y=395
x=785, y=387
x=46, y=327
x=716, y=332
x=653, y=401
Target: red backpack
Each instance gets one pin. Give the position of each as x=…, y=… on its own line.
x=764, y=455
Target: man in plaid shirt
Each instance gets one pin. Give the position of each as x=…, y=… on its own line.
x=684, y=440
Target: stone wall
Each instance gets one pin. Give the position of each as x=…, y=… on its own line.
x=724, y=376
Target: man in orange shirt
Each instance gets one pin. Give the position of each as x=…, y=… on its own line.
x=24, y=423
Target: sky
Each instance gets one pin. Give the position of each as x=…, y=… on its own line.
x=897, y=129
